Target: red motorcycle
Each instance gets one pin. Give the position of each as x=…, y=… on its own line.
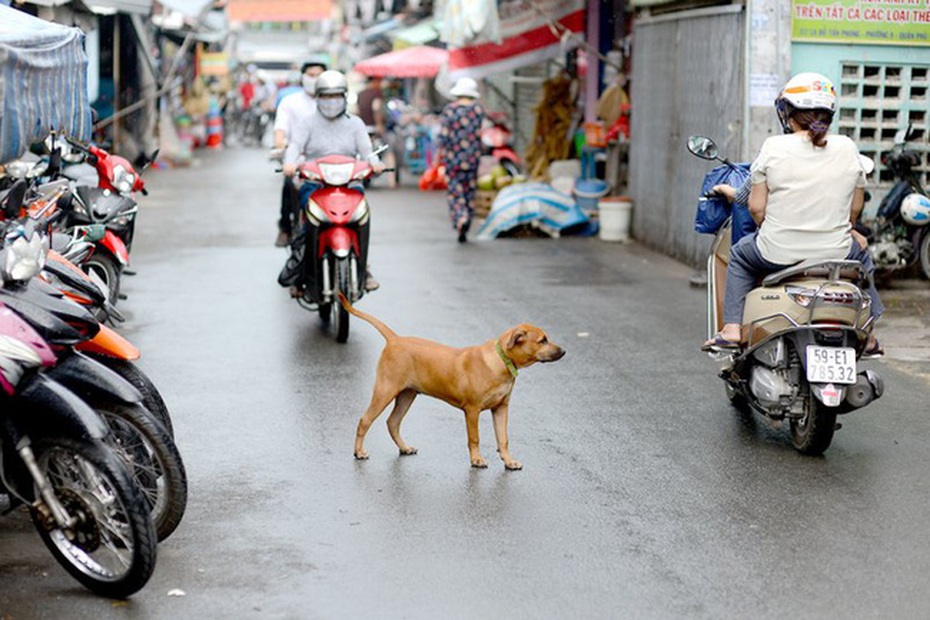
x=108, y=199
x=497, y=141
x=330, y=255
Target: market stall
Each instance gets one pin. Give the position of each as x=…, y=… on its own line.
x=43, y=82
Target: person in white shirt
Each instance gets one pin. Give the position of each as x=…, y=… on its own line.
x=290, y=113
x=807, y=192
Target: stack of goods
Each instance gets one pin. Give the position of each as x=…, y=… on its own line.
x=553, y=124
x=488, y=186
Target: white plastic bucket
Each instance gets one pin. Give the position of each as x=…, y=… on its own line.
x=614, y=216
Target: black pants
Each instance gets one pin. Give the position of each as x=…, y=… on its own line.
x=289, y=206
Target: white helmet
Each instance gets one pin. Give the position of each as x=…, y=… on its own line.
x=915, y=209
x=330, y=83
x=805, y=91
x=810, y=91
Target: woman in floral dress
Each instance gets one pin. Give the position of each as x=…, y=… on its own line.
x=460, y=150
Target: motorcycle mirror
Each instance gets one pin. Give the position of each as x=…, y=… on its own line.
x=54, y=162
x=703, y=147
x=13, y=201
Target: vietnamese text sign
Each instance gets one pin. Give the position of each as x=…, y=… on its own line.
x=881, y=22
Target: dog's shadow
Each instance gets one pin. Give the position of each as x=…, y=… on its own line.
x=481, y=494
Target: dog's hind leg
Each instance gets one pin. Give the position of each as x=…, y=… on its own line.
x=381, y=398
x=401, y=405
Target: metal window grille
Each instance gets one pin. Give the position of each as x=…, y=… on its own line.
x=878, y=100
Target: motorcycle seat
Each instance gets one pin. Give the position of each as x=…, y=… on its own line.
x=849, y=270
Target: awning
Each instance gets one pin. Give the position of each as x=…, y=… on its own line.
x=379, y=30
x=419, y=61
x=190, y=8
x=278, y=10
x=420, y=34
x=526, y=38
x=43, y=82
x=109, y=7
x=104, y=7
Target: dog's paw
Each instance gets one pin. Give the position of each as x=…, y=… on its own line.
x=408, y=451
x=479, y=462
x=361, y=456
x=513, y=465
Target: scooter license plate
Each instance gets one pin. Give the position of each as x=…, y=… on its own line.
x=831, y=364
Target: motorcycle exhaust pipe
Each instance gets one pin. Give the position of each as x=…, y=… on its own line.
x=869, y=386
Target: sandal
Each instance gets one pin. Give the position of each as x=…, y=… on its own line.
x=873, y=350
x=719, y=343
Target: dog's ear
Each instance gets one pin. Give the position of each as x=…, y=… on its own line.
x=517, y=337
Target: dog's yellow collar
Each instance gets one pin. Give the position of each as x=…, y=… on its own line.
x=507, y=361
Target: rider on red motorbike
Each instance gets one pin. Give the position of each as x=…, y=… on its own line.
x=331, y=131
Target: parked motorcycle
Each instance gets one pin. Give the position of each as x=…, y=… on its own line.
x=804, y=331
x=334, y=250
x=111, y=201
x=497, y=141
x=137, y=435
x=54, y=459
x=899, y=236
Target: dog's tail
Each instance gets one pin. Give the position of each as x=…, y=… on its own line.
x=381, y=327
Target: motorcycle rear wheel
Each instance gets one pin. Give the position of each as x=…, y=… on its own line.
x=152, y=459
x=923, y=254
x=112, y=547
x=151, y=397
x=511, y=167
x=813, y=433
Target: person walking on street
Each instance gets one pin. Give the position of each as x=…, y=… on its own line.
x=290, y=112
x=460, y=151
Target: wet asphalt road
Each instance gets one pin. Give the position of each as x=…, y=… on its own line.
x=643, y=493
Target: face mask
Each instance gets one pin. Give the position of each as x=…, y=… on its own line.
x=309, y=84
x=331, y=108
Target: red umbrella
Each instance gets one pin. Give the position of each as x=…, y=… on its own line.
x=417, y=61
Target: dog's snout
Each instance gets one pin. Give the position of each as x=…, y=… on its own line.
x=555, y=353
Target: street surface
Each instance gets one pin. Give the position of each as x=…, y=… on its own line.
x=643, y=493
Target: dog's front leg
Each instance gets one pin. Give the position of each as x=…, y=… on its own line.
x=471, y=424
x=500, y=432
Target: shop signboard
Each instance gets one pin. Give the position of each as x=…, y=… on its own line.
x=877, y=22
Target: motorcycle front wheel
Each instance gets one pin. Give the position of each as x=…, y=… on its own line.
x=109, y=270
x=924, y=255
x=813, y=433
x=340, y=316
x=111, y=546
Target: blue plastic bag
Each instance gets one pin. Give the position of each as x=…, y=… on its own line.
x=712, y=212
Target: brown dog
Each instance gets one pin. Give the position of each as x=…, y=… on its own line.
x=471, y=379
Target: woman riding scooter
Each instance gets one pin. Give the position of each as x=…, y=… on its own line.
x=330, y=131
x=807, y=192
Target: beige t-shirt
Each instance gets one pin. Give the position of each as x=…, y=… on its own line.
x=810, y=196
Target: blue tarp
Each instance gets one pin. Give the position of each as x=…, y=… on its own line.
x=537, y=204
x=43, y=82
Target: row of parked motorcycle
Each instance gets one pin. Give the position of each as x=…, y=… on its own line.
x=86, y=439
